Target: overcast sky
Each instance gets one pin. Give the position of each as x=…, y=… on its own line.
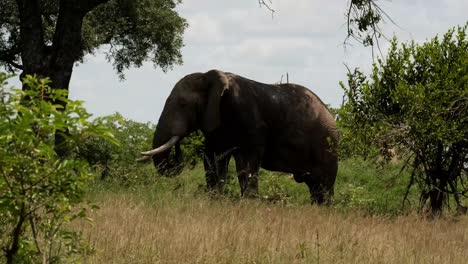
x=304, y=38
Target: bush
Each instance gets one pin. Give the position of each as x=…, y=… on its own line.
x=416, y=100
x=41, y=191
x=108, y=158
x=193, y=149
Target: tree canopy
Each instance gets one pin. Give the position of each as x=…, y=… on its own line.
x=416, y=100
x=47, y=37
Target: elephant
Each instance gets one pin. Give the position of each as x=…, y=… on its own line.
x=278, y=127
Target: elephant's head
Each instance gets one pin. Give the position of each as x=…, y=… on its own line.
x=193, y=104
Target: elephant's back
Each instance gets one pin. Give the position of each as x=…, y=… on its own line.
x=305, y=107
x=287, y=108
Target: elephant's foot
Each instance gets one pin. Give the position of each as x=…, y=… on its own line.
x=321, y=198
x=317, y=198
x=249, y=184
x=319, y=194
x=250, y=193
x=216, y=189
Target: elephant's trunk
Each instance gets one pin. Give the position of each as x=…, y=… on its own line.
x=171, y=128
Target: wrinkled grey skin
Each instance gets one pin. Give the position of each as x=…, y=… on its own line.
x=281, y=127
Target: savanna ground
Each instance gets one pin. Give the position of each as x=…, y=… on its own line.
x=173, y=220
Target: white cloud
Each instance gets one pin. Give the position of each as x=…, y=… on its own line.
x=304, y=38
x=203, y=29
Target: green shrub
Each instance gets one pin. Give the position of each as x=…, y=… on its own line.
x=40, y=191
x=415, y=100
x=193, y=149
x=107, y=158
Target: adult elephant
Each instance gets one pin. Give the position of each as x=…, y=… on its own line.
x=283, y=127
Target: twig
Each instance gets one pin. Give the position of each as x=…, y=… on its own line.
x=408, y=187
x=34, y=232
x=317, y=243
x=263, y=3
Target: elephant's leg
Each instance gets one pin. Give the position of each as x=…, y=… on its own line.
x=216, y=168
x=321, y=185
x=328, y=182
x=317, y=192
x=300, y=177
x=222, y=166
x=247, y=166
x=210, y=173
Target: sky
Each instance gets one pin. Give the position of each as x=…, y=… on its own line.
x=304, y=38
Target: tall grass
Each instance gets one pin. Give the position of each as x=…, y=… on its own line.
x=173, y=220
x=132, y=228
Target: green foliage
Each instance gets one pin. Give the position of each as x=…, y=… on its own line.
x=137, y=31
x=417, y=102
x=117, y=162
x=364, y=17
x=41, y=192
x=134, y=31
x=193, y=149
x=133, y=137
x=363, y=20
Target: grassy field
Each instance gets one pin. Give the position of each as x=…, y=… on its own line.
x=174, y=221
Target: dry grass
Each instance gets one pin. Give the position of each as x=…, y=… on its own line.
x=128, y=229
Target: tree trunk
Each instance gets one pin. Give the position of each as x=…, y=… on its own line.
x=436, y=199
x=33, y=50
x=11, y=252
x=437, y=194
x=66, y=49
x=439, y=179
x=67, y=45
x=55, y=61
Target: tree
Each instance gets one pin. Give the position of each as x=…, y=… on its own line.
x=417, y=101
x=47, y=37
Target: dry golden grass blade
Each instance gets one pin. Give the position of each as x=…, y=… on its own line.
x=128, y=230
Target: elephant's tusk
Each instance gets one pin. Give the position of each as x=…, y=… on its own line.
x=144, y=158
x=169, y=144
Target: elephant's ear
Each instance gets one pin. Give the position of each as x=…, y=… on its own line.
x=217, y=83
